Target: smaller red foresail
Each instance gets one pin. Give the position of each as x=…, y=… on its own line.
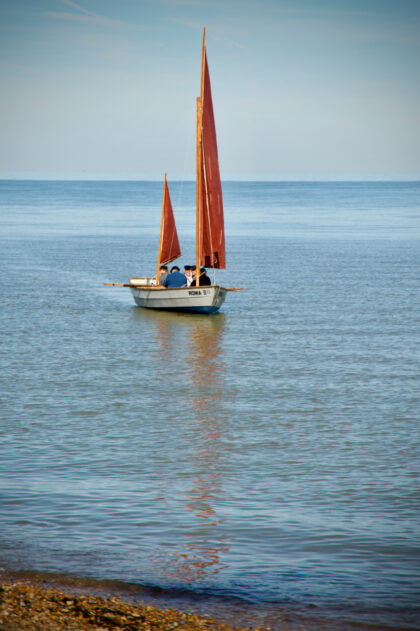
x=169, y=248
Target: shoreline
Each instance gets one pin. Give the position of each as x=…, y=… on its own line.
x=60, y=601
x=36, y=601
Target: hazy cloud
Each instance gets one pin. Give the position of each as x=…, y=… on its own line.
x=79, y=8
x=83, y=15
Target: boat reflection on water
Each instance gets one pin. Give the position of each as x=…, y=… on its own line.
x=206, y=396
x=192, y=344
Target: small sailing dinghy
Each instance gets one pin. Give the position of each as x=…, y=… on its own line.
x=210, y=232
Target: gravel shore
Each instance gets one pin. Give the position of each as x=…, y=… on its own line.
x=26, y=607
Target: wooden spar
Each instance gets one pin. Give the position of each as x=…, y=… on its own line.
x=197, y=225
x=153, y=288
x=161, y=231
x=148, y=287
x=199, y=158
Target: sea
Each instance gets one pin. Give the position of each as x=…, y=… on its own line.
x=260, y=464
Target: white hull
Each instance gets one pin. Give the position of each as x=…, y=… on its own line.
x=206, y=299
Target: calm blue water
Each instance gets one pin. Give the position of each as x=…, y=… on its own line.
x=268, y=453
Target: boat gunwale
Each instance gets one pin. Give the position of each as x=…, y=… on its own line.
x=161, y=287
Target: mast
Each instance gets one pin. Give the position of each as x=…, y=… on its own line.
x=199, y=158
x=210, y=222
x=198, y=184
x=161, y=231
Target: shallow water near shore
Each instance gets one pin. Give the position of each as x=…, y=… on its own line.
x=268, y=453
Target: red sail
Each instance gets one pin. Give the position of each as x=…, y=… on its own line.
x=169, y=244
x=212, y=231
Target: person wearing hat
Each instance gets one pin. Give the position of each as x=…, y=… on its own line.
x=175, y=278
x=204, y=279
x=193, y=275
x=188, y=274
x=163, y=272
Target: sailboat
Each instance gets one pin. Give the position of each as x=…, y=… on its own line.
x=210, y=233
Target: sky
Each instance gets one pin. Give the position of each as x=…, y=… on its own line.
x=302, y=89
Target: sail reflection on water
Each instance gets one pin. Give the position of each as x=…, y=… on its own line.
x=195, y=343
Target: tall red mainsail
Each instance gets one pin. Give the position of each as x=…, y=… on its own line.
x=169, y=248
x=210, y=221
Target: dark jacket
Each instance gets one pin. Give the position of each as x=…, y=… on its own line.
x=204, y=280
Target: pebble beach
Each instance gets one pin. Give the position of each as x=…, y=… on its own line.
x=27, y=607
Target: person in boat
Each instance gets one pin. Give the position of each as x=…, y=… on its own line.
x=204, y=279
x=163, y=272
x=188, y=274
x=192, y=275
x=175, y=278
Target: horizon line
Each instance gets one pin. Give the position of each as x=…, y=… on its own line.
x=100, y=177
